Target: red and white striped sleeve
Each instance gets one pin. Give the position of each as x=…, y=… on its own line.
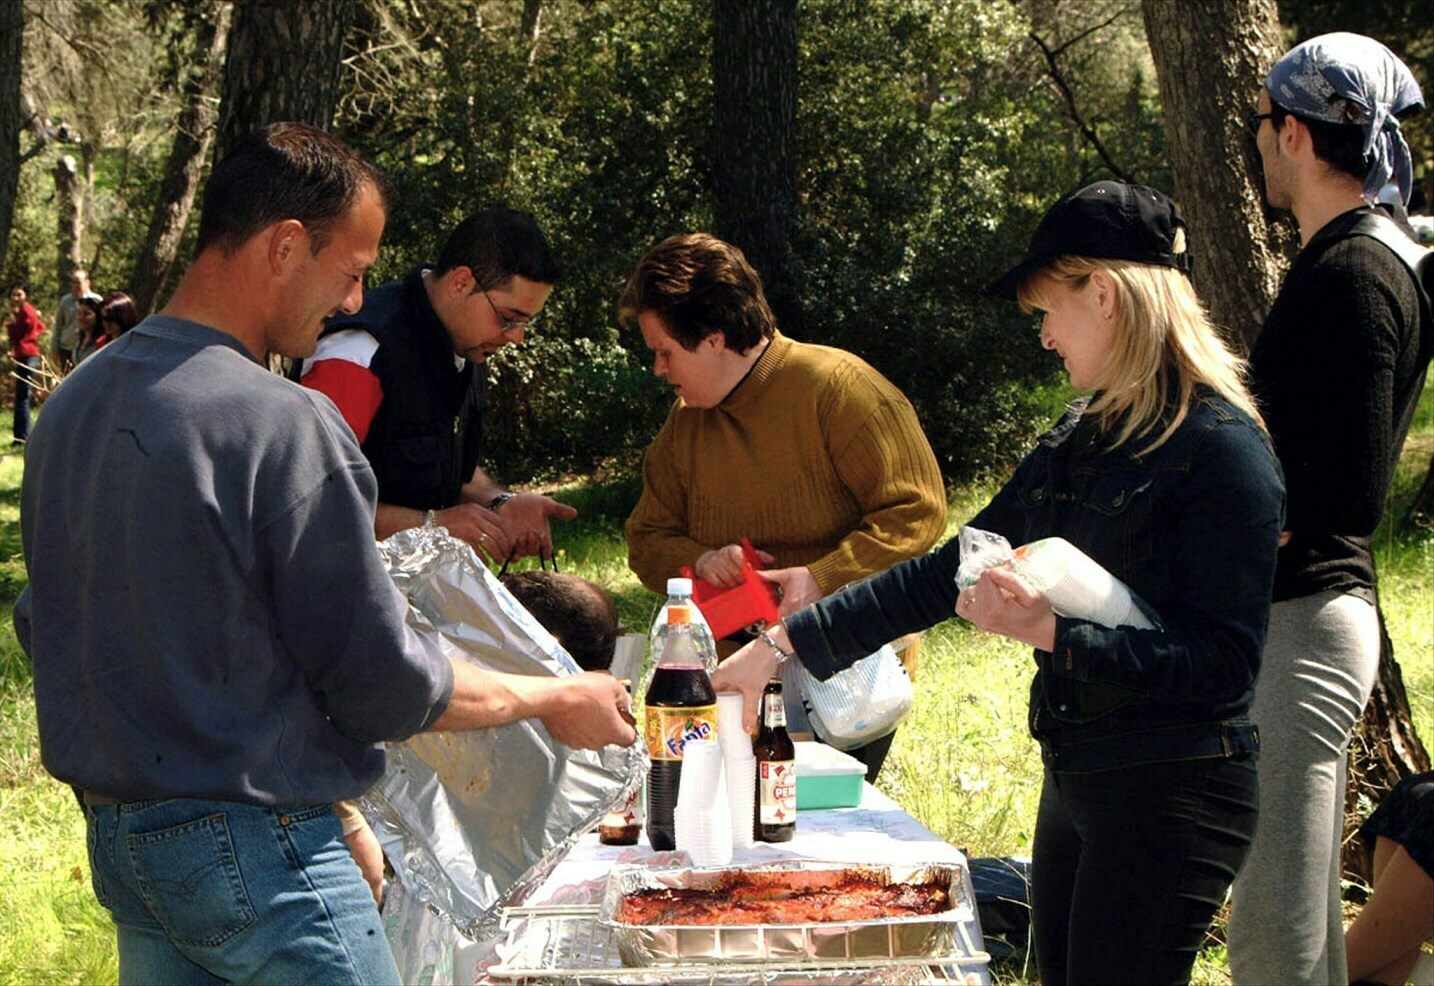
x=340, y=369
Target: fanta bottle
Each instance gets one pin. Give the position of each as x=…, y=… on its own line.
x=680, y=706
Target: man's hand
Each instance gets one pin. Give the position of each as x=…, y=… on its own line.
x=525, y=521
x=480, y=527
x=590, y=710
x=584, y=711
x=723, y=566
x=367, y=853
x=748, y=672
x=1003, y=602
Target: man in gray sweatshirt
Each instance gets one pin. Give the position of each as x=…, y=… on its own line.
x=238, y=650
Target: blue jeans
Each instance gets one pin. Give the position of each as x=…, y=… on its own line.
x=27, y=373
x=216, y=891
x=1130, y=865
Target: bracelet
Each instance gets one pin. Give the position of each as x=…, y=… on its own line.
x=767, y=639
x=499, y=500
x=429, y=521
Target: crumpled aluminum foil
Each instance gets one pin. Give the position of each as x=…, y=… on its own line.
x=484, y=816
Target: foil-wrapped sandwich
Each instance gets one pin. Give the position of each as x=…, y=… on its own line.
x=482, y=817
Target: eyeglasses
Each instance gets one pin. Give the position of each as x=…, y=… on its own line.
x=1252, y=122
x=505, y=324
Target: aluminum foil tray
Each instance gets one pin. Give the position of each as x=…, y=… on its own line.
x=921, y=936
x=566, y=944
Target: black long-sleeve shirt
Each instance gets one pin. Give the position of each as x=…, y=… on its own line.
x=1337, y=371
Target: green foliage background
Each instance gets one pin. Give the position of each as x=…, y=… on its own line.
x=930, y=139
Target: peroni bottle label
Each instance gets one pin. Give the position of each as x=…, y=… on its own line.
x=777, y=792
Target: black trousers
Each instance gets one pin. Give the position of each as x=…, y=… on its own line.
x=1130, y=865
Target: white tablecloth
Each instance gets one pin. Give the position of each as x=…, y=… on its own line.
x=430, y=951
x=877, y=831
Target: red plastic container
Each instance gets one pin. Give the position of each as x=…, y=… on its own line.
x=729, y=610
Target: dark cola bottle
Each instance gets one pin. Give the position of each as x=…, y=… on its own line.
x=681, y=706
x=776, y=815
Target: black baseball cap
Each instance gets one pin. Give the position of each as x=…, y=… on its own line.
x=1109, y=220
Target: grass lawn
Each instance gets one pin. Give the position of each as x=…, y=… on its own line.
x=963, y=763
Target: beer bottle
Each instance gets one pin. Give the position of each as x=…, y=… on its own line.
x=620, y=827
x=776, y=815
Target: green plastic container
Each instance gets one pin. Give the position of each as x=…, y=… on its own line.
x=827, y=777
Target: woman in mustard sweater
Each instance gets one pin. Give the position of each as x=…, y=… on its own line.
x=805, y=450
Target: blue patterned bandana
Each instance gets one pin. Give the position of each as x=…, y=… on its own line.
x=1348, y=78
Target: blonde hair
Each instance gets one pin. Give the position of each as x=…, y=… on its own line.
x=1165, y=346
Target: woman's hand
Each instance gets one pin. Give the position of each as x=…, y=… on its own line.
x=1001, y=602
x=748, y=672
x=723, y=566
x=798, y=588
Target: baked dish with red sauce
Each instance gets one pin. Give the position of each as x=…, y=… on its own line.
x=784, y=897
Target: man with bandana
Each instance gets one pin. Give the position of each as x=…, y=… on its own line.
x=1337, y=368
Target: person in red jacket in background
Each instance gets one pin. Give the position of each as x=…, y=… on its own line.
x=25, y=328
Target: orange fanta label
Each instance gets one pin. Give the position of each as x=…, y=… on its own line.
x=669, y=728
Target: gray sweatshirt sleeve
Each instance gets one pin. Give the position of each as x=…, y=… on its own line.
x=341, y=618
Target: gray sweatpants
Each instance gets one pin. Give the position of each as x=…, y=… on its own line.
x=1320, y=662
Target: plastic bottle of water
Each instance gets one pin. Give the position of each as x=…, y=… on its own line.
x=679, y=592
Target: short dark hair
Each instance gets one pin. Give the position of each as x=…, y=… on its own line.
x=283, y=171
x=1339, y=145
x=498, y=244
x=699, y=285
x=119, y=308
x=581, y=614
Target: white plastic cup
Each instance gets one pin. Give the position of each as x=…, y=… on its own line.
x=742, y=800
x=733, y=738
x=702, y=819
x=1077, y=585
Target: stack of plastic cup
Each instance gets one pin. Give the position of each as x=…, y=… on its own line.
x=702, y=819
x=740, y=766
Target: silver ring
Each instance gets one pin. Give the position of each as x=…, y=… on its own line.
x=483, y=537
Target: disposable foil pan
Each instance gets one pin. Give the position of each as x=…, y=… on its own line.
x=933, y=935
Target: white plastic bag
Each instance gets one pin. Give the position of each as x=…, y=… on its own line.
x=857, y=704
x=1074, y=583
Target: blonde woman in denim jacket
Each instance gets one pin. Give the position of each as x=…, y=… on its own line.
x=1165, y=477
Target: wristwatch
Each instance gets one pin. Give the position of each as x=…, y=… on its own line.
x=499, y=500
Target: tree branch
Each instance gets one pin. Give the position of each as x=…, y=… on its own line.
x=1092, y=29
x=1086, y=129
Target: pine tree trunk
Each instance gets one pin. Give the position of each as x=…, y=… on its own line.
x=754, y=147
x=194, y=131
x=69, y=201
x=283, y=64
x=1211, y=57
x=12, y=32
